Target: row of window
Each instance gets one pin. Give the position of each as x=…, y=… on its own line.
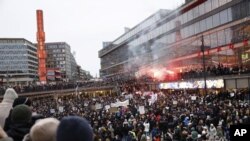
x=200, y=10
x=236, y=12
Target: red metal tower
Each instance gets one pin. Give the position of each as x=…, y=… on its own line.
x=41, y=53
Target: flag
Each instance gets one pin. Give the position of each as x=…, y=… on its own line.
x=245, y=42
x=231, y=46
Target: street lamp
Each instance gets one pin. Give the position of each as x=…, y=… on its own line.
x=204, y=64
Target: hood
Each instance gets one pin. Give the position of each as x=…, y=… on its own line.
x=10, y=94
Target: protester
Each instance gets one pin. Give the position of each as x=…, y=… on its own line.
x=74, y=128
x=6, y=105
x=20, y=122
x=44, y=130
x=17, y=101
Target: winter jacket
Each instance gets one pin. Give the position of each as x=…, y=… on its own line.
x=18, y=131
x=6, y=105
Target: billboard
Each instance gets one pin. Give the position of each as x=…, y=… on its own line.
x=217, y=83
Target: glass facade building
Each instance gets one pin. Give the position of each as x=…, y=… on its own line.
x=59, y=56
x=18, y=61
x=173, y=39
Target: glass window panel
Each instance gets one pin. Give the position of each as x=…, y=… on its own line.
x=214, y=40
x=184, y=17
x=229, y=14
x=221, y=38
x=243, y=7
x=228, y=35
x=191, y=30
x=236, y=12
x=223, y=17
x=216, y=20
x=248, y=8
x=222, y=2
x=196, y=12
x=197, y=28
x=208, y=6
x=190, y=15
x=207, y=41
x=203, y=25
x=215, y=4
x=209, y=22
x=202, y=9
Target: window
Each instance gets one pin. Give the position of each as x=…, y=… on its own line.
x=229, y=14
x=196, y=12
x=215, y=4
x=221, y=38
x=209, y=22
x=223, y=17
x=190, y=15
x=236, y=12
x=243, y=7
x=208, y=6
x=216, y=20
x=202, y=9
x=203, y=25
x=197, y=28
x=214, y=42
x=207, y=42
x=222, y=2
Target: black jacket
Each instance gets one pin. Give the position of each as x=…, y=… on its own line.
x=18, y=130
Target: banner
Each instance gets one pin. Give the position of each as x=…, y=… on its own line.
x=113, y=109
x=175, y=102
x=86, y=104
x=60, y=109
x=52, y=111
x=193, y=97
x=114, y=105
x=141, y=110
x=98, y=106
x=124, y=103
x=107, y=107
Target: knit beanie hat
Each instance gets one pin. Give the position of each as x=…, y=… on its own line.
x=73, y=128
x=21, y=114
x=22, y=100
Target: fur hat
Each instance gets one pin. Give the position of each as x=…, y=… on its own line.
x=44, y=130
x=73, y=128
x=10, y=94
x=22, y=100
x=21, y=114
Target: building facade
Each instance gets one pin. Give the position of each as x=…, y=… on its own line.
x=173, y=41
x=18, y=61
x=59, y=56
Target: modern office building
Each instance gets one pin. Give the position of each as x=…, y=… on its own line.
x=73, y=66
x=59, y=56
x=18, y=61
x=82, y=75
x=172, y=40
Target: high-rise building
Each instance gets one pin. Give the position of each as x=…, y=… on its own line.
x=59, y=56
x=73, y=66
x=172, y=40
x=18, y=61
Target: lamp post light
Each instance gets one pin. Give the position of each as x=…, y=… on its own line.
x=204, y=65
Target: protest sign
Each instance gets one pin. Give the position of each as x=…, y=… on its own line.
x=52, y=111
x=141, y=110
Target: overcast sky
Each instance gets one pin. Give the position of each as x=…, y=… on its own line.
x=83, y=24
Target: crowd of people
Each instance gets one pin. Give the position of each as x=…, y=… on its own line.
x=135, y=114
x=214, y=70
x=52, y=87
